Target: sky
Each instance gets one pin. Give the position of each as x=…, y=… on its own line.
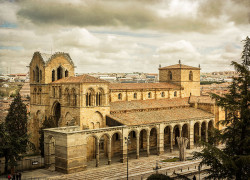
x=124, y=35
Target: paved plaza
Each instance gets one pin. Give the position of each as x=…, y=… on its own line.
x=138, y=169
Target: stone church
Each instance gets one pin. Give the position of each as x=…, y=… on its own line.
x=95, y=118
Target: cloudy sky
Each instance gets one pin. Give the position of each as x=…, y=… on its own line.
x=124, y=35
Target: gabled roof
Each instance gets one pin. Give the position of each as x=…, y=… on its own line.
x=46, y=58
x=79, y=79
x=180, y=66
x=117, y=86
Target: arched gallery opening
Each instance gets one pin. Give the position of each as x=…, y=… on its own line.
x=196, y=133
x=210, y=129
x=203, y=131
x=116, y=145
x=143, y=142
x=132, y=144
x=167, y=138
x=176, y=133
x=153, y=141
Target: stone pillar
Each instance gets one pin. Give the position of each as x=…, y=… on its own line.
x=123, y=146
x=160, y=140
x=109, y=150
x=97, y=152
x=137, y=146
x=148, y=152
x=171, y=139
x=191, y=135
x=206, y=131
x=180, y=131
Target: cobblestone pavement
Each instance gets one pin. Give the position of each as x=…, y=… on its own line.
x=138, y=169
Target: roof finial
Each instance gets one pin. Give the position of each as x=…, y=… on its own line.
x=179, y=61
x=159, y=65
x=199, y=66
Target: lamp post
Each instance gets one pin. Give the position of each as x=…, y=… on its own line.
x=127, y=141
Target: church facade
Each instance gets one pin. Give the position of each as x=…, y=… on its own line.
x=95, y=118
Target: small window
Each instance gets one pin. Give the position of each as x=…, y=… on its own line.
x=149, y=95
x=41, y=77
x=162, y=94
x=135, y=95
x=175, y=94
x=190, y=76
x=170, y=75
x=66, y=73
x=60, y=92
x=53, y=75
x=119, y=96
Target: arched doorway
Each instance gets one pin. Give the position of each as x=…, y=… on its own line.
x=185, y=131
x=57, y=113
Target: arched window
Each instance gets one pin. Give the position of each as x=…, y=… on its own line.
x=162, y=94
x=40, y=96
x=190, y=76
x=135, y=95
x=34, y=96
x=175, y=94
x=170, y=75
x=37, y=74
x=53, y=75
x=59, y=72
x=149, y=95
x=99, y=97
x=66, y=73
x=41, y=77
x=90, y=95
x=120, y=96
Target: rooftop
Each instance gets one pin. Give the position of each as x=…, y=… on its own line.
x=148, y=117
x=179, y=66
x=79, y=79
x=148, y=104
x=143, y=86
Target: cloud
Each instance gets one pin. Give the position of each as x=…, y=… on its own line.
x=132, y=14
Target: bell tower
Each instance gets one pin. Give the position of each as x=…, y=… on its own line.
x=187, y=77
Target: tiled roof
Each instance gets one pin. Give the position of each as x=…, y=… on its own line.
x=148, y=117
x=148, y=104
x=79, y=79
x=143, y=86
x=202, y=99
x=180, y=66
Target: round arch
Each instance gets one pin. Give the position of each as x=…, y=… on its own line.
x=56, y=113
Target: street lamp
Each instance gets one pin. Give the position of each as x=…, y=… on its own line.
x=127, y=141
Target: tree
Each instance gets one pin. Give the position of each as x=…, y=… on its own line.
x=13, y=136
x=232, y=161
x=47, y=123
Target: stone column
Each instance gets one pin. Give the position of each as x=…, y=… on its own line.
x=97, y=152
x=171, y=139
x=137, y=146
x=109, y=150
x=180, y=131
x=148, y=152
x=160, y=140
x=206, y=131
x=191, y=135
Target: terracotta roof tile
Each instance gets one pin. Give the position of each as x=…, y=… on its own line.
x=179, y=66
x=79, y=79
x=148, y=104
x=148, y=117
x=143, y=86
